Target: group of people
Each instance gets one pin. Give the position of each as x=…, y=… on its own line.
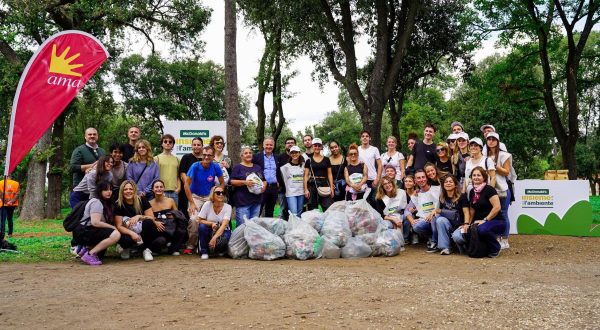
x=132, y=197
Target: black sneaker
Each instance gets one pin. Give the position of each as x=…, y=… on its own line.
x=494, y=255
x=432, y=248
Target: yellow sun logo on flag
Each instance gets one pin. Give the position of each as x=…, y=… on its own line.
x=61, y=64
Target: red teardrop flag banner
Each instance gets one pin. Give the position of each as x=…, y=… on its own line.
x=57, y=71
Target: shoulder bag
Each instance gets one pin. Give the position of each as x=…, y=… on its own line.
x=322, y=191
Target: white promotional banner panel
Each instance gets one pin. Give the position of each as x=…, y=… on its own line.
x=186, y=130
x=552, y=207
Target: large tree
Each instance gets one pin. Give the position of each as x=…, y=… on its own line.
x=232, y=109
x=28, y=23
x=546, y=22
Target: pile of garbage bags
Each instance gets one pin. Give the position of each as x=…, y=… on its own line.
x=346, y=230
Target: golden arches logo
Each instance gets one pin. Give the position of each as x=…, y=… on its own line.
x=61, y=64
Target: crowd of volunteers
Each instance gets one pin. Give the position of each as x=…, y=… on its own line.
x=447, y=194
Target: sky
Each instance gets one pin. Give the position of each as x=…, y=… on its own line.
x=309, y=103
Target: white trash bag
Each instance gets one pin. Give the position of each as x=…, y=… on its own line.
x=356, y=248
x=315, y=218
x=336, y=229
x=389, y=243
x=331, y=251
x=302, y=240
x=263, y=244
x=238, y=247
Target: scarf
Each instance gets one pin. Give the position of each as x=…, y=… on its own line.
x=477, y=190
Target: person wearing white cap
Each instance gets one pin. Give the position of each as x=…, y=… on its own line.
x=486, y=129
x=371, y=157
x=292, y=174
x=502, y=162
x=478, y=159
x=318, y=174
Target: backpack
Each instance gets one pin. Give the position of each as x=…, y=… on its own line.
x=74, y=217
x=476, y=248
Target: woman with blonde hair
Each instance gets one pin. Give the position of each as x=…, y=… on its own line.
x=135, y=220
x=142, y=169
x=213, y=224
x=394, y=158
x=391, y=202
x=442, y=159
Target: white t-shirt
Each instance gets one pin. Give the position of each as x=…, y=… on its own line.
x=293, y=178
x=394, y=161
x=369, y=156
x=395, y=206
x=426, y=201
x=208, y=212
x=470, y=166
x=501, y=184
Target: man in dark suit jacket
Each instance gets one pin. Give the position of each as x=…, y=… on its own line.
x=269, y=162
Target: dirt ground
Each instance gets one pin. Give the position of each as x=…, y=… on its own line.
x=540, y=282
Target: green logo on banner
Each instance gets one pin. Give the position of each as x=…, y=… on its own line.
x=537, y=191
x=191, y=133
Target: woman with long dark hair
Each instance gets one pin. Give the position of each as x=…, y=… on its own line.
x=450, y=214
x=87, y=188
x=502, y=162
x=318, y=174
x=97, y=231
x=338, y=164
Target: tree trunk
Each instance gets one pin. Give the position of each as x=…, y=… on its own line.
x=593, y=186
x=55, y=172
x=33, y=202
x=231, y=86
x=277, y=113
x=395, y=115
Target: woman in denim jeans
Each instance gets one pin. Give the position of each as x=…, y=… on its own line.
x=213, y=221
x=247, y=203
x=451, y=201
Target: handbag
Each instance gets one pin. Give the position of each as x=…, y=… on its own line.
x=340, y=187
x=322, y=191
x=476, y=248
x=452, y=215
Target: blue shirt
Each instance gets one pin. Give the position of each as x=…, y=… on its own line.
x=203, y=179
x=270, y=170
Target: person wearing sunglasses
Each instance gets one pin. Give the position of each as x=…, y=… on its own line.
x=213, y=229
x=221, y=158
x=200, y=179
x=168, y=165
x=356, y=174
x=442, y=158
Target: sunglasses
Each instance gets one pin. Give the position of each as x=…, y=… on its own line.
x=294, y=152
x=451, y=141
x=207, y=155
x=168, y=141
x=318, y=145
x=353, y=154
x=220, y=142
x=218, y=192
x=439, y=150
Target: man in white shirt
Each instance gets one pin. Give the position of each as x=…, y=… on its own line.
x=426, y=201
x=371, y=157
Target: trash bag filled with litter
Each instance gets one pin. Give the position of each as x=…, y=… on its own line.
x=315, y=218
x=336, y=229
x=302, y=240
x=389, y=243
x=263, y=244
x=362, y=218
x=356, y=248
x=330, y=250
x=237, y=246
x=274, y=225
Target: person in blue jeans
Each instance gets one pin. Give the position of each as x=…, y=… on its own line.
x=213, y=221
x=426, y=202
x=484, y=210
x=293, y=178
x=450, y=214
x=247, y=195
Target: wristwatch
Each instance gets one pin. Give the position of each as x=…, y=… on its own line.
x=485, y=219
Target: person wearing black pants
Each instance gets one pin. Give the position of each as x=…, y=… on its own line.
x=317, y=173
x=269, y=162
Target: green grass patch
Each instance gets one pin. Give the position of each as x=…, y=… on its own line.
x=595, y=201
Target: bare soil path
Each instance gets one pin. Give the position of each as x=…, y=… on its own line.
x=540, y=282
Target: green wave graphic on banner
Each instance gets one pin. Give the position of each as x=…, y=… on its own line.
x=576, y=222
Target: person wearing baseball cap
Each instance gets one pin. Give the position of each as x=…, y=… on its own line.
x=486, y=129
x=502, y=163
x=318, y=174
x=292, y=174
x=457, y=127
x=478, y=159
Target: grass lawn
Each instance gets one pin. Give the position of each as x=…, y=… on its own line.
x=46, y=240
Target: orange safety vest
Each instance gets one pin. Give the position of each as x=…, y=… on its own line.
x=11, y=195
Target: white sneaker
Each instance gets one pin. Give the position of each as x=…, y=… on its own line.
x=204, y=256
x=176, y=253
x=148, y=255
x=445, y=252
x=504, y=243
x=125, y=254
x=75, y=251
x=415, y=239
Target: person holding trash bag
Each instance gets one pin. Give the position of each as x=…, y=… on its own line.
x=249, y=182
x=391, y=202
